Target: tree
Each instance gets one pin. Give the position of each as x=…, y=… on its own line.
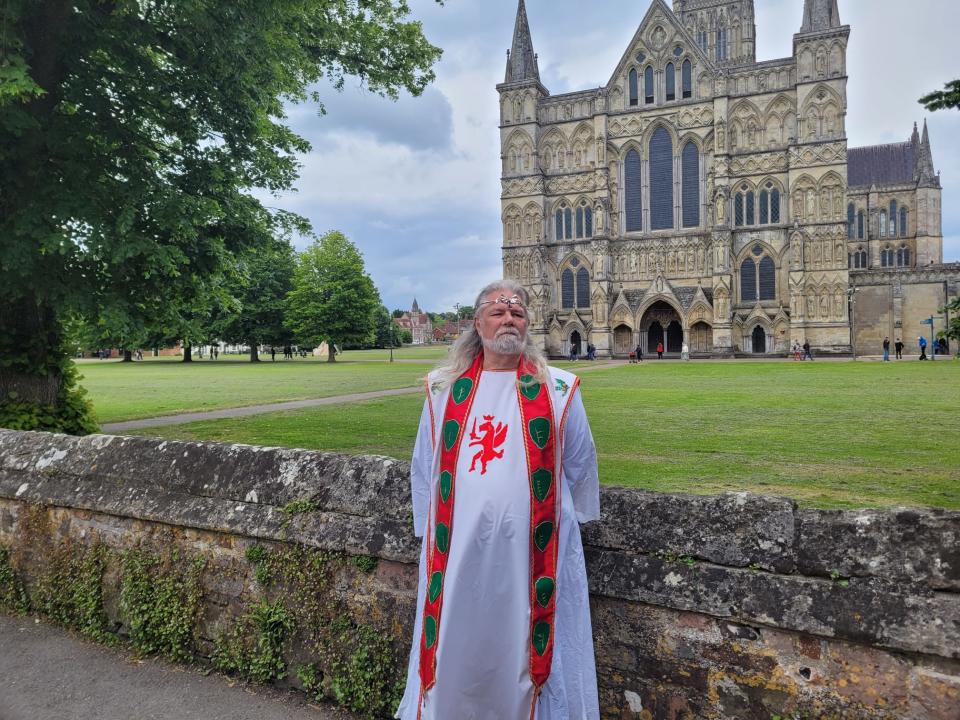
x=333, y=299
x=406, y=337
x=387, y=331
x=944, y=99
x=398, y=313
x=260, y=285
x=953, y=328
x=132, y=134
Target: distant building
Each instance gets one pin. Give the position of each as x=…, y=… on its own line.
x=417, y=323
x=451, y=330
x=702, y=197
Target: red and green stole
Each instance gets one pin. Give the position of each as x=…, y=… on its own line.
x=540, y=443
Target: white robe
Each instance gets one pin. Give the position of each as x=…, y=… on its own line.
x=483, y=643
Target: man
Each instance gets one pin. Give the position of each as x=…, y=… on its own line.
x=503, y=469
x=922, y=342
x=639, y=352
x=886, y=349
x=806, y=351
x=898, y=347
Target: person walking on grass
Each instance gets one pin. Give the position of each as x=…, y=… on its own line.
x=898, y=346
x=796, y=351
x=504, y=468
x=886, y=349
x=639, y=352
x=922, y=342
x=806, y=351
x=660, y=351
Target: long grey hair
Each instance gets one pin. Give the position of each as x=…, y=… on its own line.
x=465, y=349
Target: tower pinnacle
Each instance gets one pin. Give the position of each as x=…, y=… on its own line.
x=522, y=61
x=820, y=15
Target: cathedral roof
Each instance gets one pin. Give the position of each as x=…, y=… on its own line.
x=881, y=165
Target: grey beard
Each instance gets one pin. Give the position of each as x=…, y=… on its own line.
x=505, y=344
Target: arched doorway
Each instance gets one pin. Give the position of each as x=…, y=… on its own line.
x=701, y=338
x=622, y=340
x=674, y=337
x=661, y=323
x=654, y=336
x=575, y=348
x=759, y=340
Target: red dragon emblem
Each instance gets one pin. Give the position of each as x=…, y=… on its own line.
x=490, y=439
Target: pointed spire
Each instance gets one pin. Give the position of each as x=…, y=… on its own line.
x=915, y=138
x=521, y=60
x=820, y=15
x=415, y=308
x=925, y=160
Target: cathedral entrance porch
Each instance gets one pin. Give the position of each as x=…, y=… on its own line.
x=759, y=340
x=623, y=340
x=661, y=323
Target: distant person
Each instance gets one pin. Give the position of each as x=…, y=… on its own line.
x=807, y=355
x=574, y=353
x=591, y=351
x=922, y=342
x=639, y=353
x=886, y=349
x=659, y=351
x=684, y=352
x=796, y=351
x=216, y=353
x=273, y=354
x=942, y=345
x=898, y=346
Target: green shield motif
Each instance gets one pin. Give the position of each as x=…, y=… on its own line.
x=446, y=484
x=461, y=390
x=529, y=391
x=451, y=429
x=540, y=431
x=542, y=479
x=443, y=538
x=436, y=585
x=544, y=588
x=430, y=631
x=542, y=534
x=541, y=636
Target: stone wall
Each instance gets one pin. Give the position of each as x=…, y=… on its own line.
x=733, y=606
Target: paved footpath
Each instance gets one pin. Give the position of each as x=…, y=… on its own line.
x=50, y=674
x=118, y=428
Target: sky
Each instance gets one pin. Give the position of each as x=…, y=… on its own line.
x=415, y=183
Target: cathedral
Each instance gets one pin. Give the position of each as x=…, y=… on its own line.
x=703, y=198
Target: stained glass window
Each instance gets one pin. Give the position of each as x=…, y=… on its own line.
x=775, y=206
x=671, y=81
x=860, y=225
x=566, y=288
x=893, y=218
x=579, y=222
x=764, y=207
x=903, y=222
x=750, y=213
x=748, y=280
x=648, y=85
x=738, y=209
x=558, y=223
x=691, y=185
x=768, y=279
x=687, y=79
x=568, y=223
x=583, y=288
x=634, y=89
x=632, y=189
x=661, y=180
x=588, y=221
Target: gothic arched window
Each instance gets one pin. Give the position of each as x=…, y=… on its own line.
x=661, y=180
x=860, y=225
x=775, y=206
x=903, y=222
x=568, y=224
x=860, y=259
x=584, y=220
x=748, y=280
x=687, y=79
x=738, y=209
x=883, y=223
x=566, y=288
x=903, y=256
x=579, y=222
x=764, y=207
x=893, y=218
x=632, y=190
x=768, y=279
x=750, y=209
x=648, y=86
x=851, y=216
x=583, y=288
x=671, y=82
x=634, y=88
x=558, y=225
x=563, y=223
x=886, y=257
x=691, y=185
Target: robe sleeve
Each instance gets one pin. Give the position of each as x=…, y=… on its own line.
x=580, y=462
x=420, y=469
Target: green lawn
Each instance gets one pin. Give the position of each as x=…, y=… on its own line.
x=828, y=434
x=126, y=391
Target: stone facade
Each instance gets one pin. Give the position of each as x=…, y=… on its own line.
x=701, y=196
x=723, y=607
